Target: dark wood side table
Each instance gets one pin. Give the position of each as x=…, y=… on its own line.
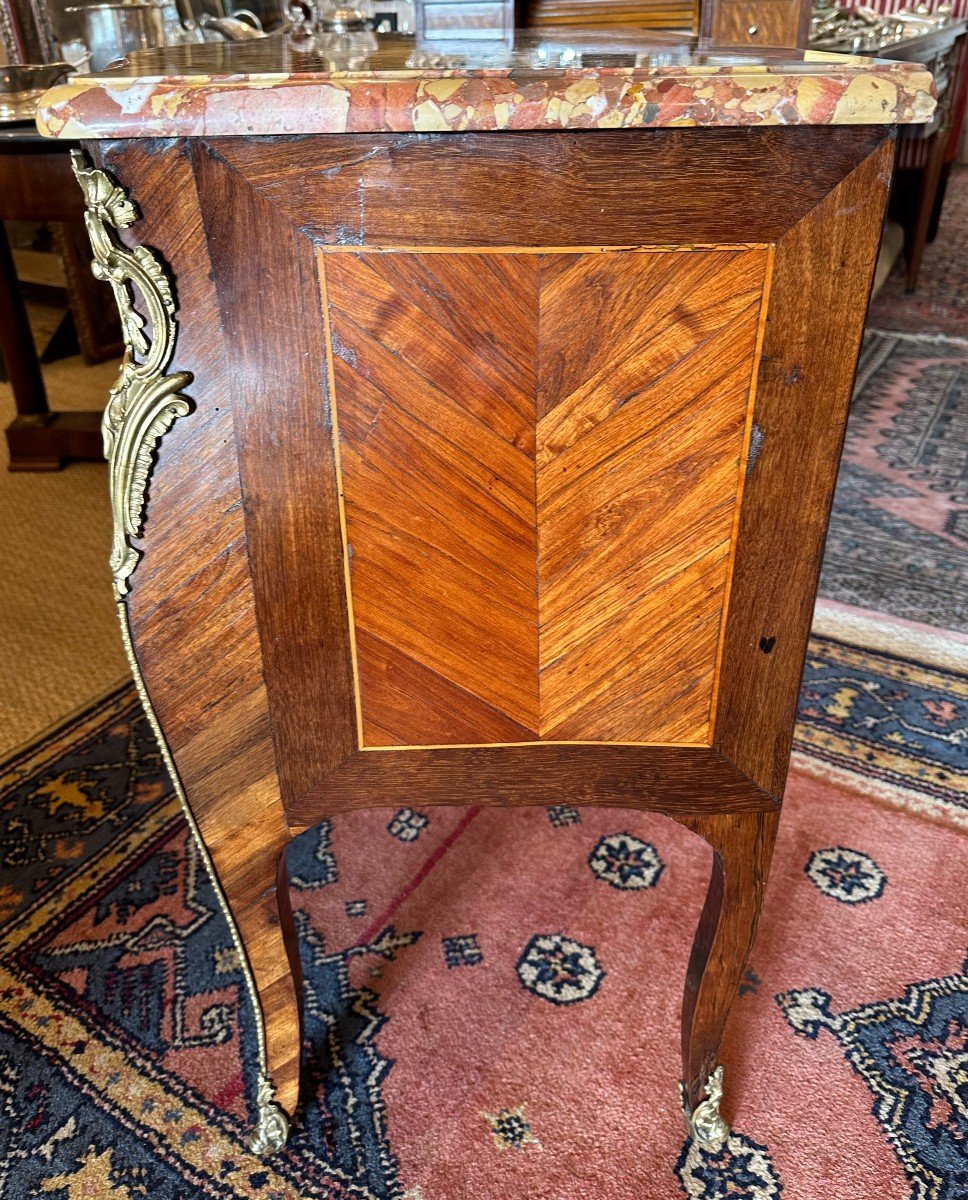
x=36, y=184
x=921, y=170
x=916, y=190
x=495, y=464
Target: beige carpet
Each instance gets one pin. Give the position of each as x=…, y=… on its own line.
x=59, y=641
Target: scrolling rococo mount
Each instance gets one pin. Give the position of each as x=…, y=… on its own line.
x=536, y=511
x=142, y=406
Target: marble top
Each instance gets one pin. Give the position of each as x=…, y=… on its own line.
x=549, y=79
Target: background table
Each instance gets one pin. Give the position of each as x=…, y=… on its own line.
x=36, y=184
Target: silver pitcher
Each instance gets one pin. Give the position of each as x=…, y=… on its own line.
x=113, y=30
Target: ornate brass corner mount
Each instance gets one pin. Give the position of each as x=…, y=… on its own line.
x=272, y=1126
x=706, y=1123
x=142, y=406
x=145, y=402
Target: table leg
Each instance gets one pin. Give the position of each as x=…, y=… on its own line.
x=742, y=847
x=925, y=207
x=276, y=981
x=37, y=439
x=98, y=328
x=16, y=340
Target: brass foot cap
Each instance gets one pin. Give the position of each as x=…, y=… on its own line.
x=706, y=1124
x=272, y=1125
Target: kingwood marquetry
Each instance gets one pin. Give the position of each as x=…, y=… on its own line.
x=467, y=509
x=540, y=462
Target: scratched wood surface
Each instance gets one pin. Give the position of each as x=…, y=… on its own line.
x=300, y=331
x=670, y=187
x=540, y=458
x=818, y=302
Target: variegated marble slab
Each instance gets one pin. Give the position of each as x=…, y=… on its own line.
x=548, y=80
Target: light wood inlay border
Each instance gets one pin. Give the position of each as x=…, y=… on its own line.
x=547, y=742
x=536, y=251
x=337, y=455
x=632, y=248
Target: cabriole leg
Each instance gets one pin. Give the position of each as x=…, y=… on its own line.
x=252, y=886
x=742, y=847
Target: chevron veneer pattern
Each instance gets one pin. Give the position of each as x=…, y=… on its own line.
x=541, y=456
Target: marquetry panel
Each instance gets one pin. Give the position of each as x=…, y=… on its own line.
x=434, y=374
x=646, y=363
x=540, y=458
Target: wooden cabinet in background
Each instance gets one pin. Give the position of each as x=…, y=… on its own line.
x=731, y=22
x=598, y=14
x=756, y=22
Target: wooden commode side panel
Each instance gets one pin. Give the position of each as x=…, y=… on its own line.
x=540, y=455
x=451, y=467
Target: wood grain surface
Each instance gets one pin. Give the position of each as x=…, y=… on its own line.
x=821, y=282
x=668, y=779
x=756, y=22
x=192, y=610
x=434, y=363
x=646, y=364
x=663, y=187
x=525, y=455
x=681, y=15
x=540, y=461
x=742, y=848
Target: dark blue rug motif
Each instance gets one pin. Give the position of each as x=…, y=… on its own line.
x=913, y=1055
x=905, y=721
x=848, y=696
x=845, y=875
x=740, y=1169
x=343, y=1110
x=342, y=1068
x=138, y=964
x=77, y=802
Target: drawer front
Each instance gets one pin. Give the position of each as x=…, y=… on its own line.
x=762, y=23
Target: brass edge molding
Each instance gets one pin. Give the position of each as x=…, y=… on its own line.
x=272, y=1125
x=145, y=402
x=142, y=406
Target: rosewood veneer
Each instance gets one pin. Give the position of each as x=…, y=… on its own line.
x=500, y=475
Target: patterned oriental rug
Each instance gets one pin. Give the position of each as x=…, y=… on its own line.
x=898, y=540
x=492, y=997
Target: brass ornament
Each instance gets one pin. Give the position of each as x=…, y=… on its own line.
x=142, y=406
x=272, y=1126
x=706, y=1124
x=145, y=402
